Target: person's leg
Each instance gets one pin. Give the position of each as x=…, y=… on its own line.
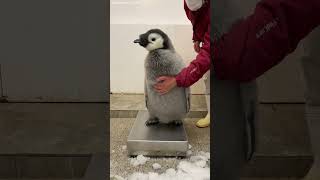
x=231, y=101
x=249, y=97
x=205, y=122
x=311, y=66
x=228, y=129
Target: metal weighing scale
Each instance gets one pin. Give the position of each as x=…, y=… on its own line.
x=157, y=140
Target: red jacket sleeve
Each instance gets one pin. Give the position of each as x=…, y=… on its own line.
x=191, y=18
x=199, y=20
x=262, y=40
x=198, y=67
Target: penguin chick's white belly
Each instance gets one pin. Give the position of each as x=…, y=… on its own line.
x=168, y=107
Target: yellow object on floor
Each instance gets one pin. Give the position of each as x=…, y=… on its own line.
x=204, y=122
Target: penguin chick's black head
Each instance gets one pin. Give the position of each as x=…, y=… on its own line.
x=154, y=39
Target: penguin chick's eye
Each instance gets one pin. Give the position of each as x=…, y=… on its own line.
x=153, y=39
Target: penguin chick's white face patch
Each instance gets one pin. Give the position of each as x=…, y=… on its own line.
x=155, y=41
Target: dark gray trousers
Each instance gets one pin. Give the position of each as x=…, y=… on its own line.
x=233, y=107
x=233, y=103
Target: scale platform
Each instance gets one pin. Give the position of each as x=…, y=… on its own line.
x=157, y=140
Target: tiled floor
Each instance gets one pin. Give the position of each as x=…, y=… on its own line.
x=128, y=105
x=136, y=102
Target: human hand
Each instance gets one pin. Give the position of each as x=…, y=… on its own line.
x=196, y=46
x=165, y=84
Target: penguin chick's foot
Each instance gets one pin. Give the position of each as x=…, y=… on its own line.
x=176, y=123
x=152, y=121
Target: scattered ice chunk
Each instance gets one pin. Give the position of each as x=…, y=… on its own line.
x=190, y=146
x=200, y=156
x=201, y=163
x=124, y=147
x=205, y=154
x=139, y=160
x=156, y=166
x=197, y=158
x=189, y=153
x=112, y=151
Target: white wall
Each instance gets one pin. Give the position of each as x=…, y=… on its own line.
x=147, y=12
x=129, y=19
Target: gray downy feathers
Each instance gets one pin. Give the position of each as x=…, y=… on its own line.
x=163, y=60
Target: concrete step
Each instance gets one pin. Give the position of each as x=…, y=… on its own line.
x=92, y=167
x=283, y=146
x=128, y=105
x=50, y=140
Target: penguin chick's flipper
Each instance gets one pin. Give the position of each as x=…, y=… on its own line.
x=152, y=121
x=176, y=122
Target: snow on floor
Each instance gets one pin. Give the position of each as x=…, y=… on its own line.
x=196, y=167
x=139, y=160
x=156, y=166
x=116, y=177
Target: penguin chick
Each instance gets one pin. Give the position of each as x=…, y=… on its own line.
x=163, y=60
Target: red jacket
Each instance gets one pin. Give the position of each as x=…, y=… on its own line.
x=200, y=20
x=262, y=40
x=256, y=43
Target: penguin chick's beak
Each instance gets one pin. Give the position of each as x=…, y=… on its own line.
x=136, y=41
